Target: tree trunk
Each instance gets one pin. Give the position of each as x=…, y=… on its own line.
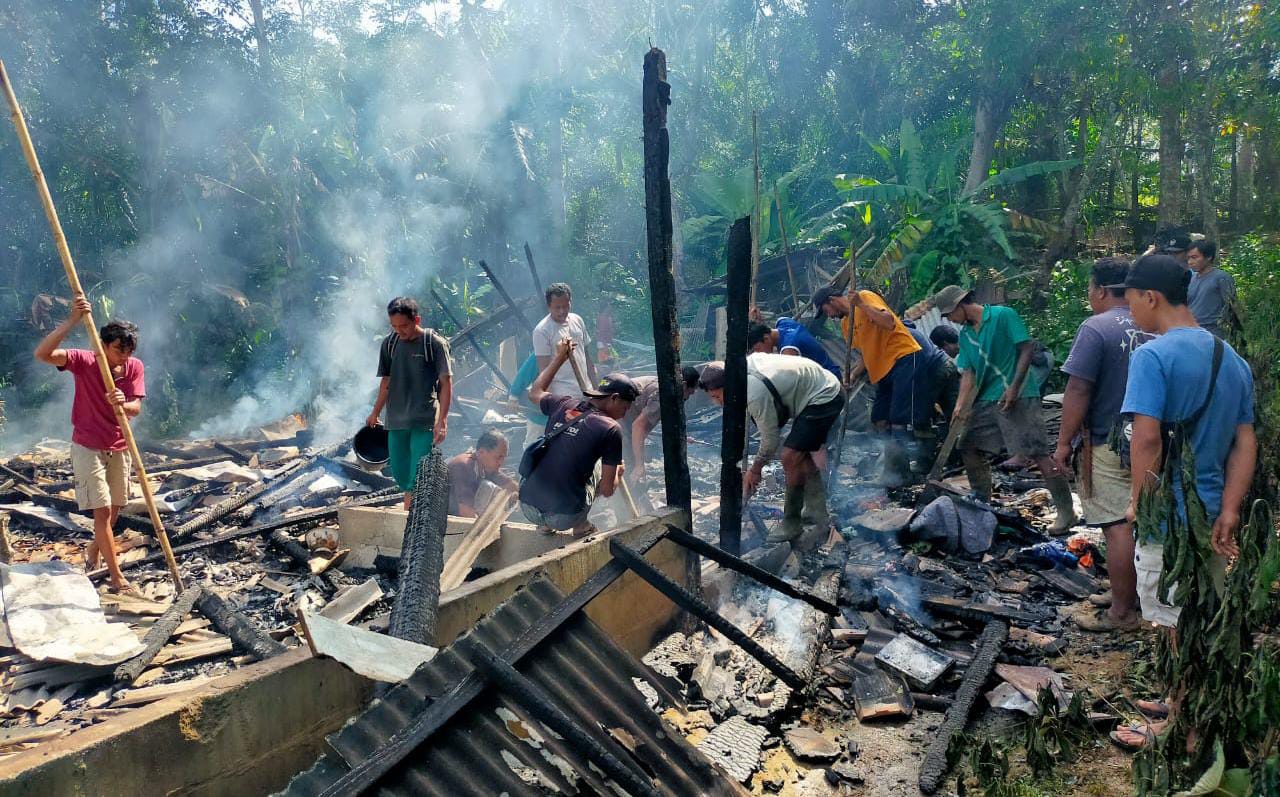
x=1170, y=148
x=1245, y=170
x=1204, y=174
x=986, y=124
x=1135, y=209
x=260, y=37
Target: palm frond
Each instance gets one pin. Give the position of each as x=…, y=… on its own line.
x=991, y=218
x=908, y=237
x=1025, y=172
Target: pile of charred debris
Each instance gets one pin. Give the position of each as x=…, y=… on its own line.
x=251, y=521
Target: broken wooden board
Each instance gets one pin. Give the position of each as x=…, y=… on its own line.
x=877, y=694
x=348, y=604
x=981, y=612
x=1072, y=583
x=1050, y=645
x=150, y=694
x=373, y=655
x=190, y=651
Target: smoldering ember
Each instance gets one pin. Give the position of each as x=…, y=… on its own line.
x=512, y=397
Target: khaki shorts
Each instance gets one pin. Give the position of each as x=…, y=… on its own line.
x=102, y=477
x=1020, y=430
x=1148, y=560
x=1111, y=482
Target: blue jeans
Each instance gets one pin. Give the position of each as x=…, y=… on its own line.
x=905, y=396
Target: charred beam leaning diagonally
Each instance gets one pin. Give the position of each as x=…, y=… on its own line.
x=433, y=716
x=744, y=567
x=413, y=616
x=73, y=279
x=533, y=268
x=158, y=635
x=506, y=297
x=934, y=765
x=681, y=597
x=237, y=626
x=543, y=708
x=475, y=344
x=659, y=244
x=733, y=442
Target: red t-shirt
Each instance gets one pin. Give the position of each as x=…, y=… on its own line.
x=93, y=420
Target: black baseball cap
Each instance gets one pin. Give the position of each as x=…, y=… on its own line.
x=619, y=385
x=1173, y=239
x=1160, y=273
x=824, y=295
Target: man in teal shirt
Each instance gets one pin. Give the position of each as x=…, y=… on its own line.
x=998, y=402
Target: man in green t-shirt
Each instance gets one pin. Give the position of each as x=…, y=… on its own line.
x=414, y=366
x=998, y=401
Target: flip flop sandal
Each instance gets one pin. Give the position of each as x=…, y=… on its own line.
x=127, y=590
x=587, y=532
x=1152, y=709
x=1145, y=731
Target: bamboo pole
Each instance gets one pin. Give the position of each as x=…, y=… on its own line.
x=60, y=240
x=786, y=251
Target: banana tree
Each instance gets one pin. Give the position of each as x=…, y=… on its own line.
x=939, y=233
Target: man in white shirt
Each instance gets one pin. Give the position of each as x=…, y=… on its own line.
x=560, y=323
x=781, y=388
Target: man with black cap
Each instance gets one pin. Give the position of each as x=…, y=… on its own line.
x=646, y=414
x=1171, y=241
x=1169, y=382
x=903, y=364
x=580, y=433
x=780, y=388
x=1191, y=391
x=999, y=401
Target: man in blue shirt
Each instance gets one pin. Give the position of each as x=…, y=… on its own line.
x=1169, y=383
x=789, y=336
x=1169, y=380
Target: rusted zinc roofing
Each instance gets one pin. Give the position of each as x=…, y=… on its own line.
x=493, y=746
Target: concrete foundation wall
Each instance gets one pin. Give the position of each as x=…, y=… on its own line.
x=250, y=731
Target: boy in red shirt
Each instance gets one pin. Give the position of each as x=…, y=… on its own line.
x=99, y=455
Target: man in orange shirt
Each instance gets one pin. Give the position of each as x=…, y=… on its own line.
x=900, y=362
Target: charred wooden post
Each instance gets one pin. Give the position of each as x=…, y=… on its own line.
x=290, y=547
x=237, y=626
x=747, y=569
x=655, y=97
x=733, y=443
x=158, y=635
x=475, y=344
x=413, y=616
x=232, y=451
x=506, y=297
x=542, y=706
x=222, y=509
x=389, y=495
x=934, y=766
x=533, y=268
x=682, y=598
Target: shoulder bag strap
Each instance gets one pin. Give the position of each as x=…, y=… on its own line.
x=779, y=407
x=1218, y=349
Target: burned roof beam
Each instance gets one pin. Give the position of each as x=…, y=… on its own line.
x=744, y=567
x=681, y=597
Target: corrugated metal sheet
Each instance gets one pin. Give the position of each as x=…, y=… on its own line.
x=493, y=747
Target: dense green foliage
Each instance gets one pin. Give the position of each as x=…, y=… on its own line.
x=252, y=179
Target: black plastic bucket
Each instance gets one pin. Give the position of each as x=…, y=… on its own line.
x=371, y=448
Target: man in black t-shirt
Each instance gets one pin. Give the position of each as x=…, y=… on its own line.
x=414, y=366
x=557, y=495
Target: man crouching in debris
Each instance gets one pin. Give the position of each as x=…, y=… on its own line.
x=559, y=470
x=997, y=399
x=780, y=388
x=414, y=366
x=99, y=454
x=475, y=477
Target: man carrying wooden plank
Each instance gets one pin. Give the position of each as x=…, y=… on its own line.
x=781, y=388
x=99, y=454
x=560, y=478
x=559, y=323
x=415, y=369
x=476, y=477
